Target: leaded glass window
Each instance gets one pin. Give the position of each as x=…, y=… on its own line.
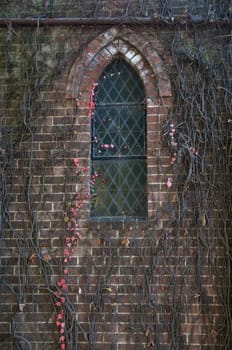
x=118, y=151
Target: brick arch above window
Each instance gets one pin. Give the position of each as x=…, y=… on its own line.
x=133, y=47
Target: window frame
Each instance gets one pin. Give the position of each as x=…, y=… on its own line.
x=139, y=158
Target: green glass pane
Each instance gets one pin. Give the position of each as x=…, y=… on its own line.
x=119, y=83
x=132, y=116
x=121, y=128
x=118, y=149
x=106, y=119
x=121, y=190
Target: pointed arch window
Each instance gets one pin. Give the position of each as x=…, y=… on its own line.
x=118, y=147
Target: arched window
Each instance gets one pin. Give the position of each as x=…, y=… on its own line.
x=118, y=147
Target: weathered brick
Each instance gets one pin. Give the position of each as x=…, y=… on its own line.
x=124, y=278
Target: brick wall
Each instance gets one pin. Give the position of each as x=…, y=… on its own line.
x=90, y=8
x=130, y=285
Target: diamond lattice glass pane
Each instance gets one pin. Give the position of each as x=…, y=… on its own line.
x=119, y=83
x=122, y=191
x=119, y=131
x=118, y=149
